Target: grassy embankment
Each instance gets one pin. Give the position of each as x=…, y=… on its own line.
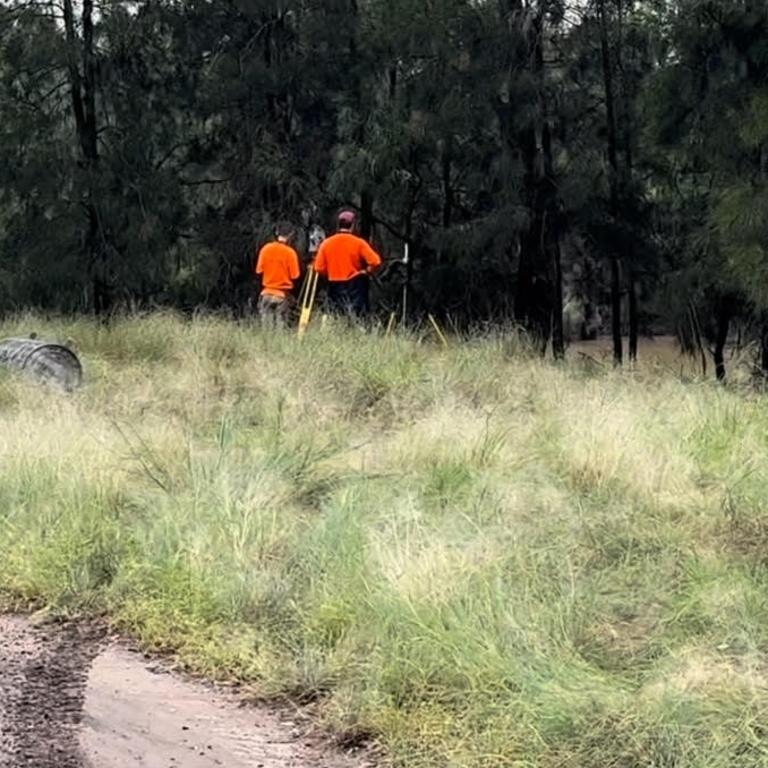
x=481, y=559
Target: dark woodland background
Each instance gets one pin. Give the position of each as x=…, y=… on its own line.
x=603, y=161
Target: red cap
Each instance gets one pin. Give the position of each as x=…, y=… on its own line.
x=347, y=218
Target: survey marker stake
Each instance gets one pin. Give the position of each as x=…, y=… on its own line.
x=406, y=259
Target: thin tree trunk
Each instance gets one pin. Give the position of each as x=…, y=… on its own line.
x=89, y=84
x=627, y=121
x=392, y=74
x=627, y=124
x=524, y=286
x=75, y=86
x=697, y=337
x=610, y=108
x=532, y=257
x=447, y=165
x=634, y=320
x=618, y=341
x=723, y=319
x=366, y=214
x=558, y=333
x=102, y=300
x=552, y=225
x=83, y=97
x=764, y=347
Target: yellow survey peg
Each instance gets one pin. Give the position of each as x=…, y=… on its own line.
x=390, y=325
x=438, y=331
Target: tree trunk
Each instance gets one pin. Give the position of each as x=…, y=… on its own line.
x=532, y=256
x=723, y=319
x=627, y=124
x=89, y=85
x=95, y=246
x=447, y=164
x=634, y=320
x=698, y=341
x=627, y=117
x=618, y=341
x=764, y=347
x=552, y=226
x=558, y=334
x=366, y=214
x=524, y=284
x=525, y=143
x=73, y=69
x=610, y=109
x=83, y=96
x=446, y=167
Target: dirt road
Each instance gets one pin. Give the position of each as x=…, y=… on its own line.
x=70, y=699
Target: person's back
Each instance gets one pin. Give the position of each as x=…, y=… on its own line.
x=278, y=266
x=346, y=256
x=347, y=260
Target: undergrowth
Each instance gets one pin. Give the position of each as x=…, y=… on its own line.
x=470, y=555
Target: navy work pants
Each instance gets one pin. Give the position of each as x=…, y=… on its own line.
x=350, y=297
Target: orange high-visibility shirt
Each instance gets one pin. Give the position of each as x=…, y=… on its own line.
x=344, y=256
x=278, y=265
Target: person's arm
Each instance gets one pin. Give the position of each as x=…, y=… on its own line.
x=294, y=269
x=321, y=263
x=372, y=259
x=258, y=270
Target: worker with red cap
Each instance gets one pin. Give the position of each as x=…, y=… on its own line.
x=347, y=261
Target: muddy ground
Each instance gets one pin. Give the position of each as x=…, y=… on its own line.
x=71, y=698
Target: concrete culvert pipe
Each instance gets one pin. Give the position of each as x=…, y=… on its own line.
x=45, y=361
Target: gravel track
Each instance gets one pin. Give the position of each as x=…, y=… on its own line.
x=70, y=698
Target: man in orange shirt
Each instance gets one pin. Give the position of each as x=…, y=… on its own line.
x=278, y=267
x=347, y=261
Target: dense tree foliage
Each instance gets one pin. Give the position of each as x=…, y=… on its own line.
x=602, y=161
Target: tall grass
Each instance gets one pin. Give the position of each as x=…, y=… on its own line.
x=472, y=556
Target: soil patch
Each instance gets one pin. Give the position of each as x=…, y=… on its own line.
x=70, y=698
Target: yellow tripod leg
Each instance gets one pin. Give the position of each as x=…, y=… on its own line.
x=305, y=288
x=312, y=295
x=308, y=303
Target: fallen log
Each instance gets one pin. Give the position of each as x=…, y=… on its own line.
x=45, y=361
